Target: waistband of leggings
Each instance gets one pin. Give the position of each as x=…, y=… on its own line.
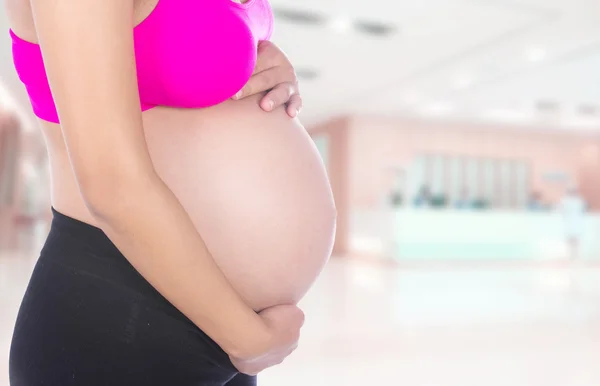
x=84, y=234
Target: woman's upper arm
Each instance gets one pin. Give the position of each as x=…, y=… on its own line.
x=88, y=53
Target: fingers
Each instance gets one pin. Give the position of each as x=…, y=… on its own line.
x=294, y=106
x=278, y=96
x=299, y=318
x=266, y=80
x=274, y=72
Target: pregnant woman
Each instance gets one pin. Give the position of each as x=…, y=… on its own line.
x=187, y=225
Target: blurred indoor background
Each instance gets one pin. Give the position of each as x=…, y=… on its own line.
x=457, y=134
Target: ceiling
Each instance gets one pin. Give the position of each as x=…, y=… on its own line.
x=529, y=62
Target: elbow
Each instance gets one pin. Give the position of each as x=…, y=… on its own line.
x=100, y=194
x=108, y=193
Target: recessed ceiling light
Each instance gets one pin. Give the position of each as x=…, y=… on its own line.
x=374, y=28
x=547, y=106
x=305, y=74
x=536, y=55
x=295, y=16
x=340, y=24
x=588, y=110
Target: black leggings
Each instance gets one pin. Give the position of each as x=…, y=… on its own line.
x=88, y=318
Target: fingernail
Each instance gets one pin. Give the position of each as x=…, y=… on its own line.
x=238, y=95
x=270, y=105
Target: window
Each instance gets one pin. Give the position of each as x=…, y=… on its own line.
x=503, y=183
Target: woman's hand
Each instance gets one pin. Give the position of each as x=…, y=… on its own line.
x=284, y=324
x=273, y=73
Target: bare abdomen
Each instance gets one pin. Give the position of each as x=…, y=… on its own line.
x=256, y=189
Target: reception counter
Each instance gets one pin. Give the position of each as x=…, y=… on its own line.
x=454, y=234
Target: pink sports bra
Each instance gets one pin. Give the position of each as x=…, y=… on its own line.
x=189, y=54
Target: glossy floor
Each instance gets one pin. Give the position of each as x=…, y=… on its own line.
x=372, y=324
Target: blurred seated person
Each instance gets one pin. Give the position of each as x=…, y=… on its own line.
x=423, y=198
x=535, y=202
x=573, y=208
x=463, y=202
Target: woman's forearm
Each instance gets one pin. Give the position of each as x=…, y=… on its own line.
x=89, y=59
x=150, y=227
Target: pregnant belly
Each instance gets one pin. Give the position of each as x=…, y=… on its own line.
x=256, y=189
